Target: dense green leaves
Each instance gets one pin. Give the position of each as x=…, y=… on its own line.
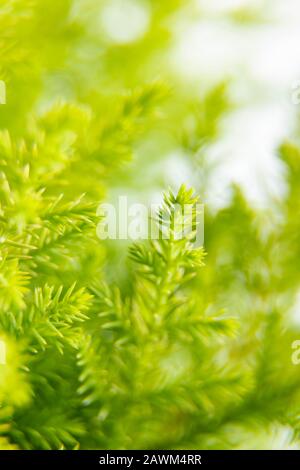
x=187, y=348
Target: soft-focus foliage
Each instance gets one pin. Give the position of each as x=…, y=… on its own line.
x=183, y=350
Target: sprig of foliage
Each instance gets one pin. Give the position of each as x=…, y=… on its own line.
x=180, y=354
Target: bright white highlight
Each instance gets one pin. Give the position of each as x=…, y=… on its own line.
x=2, y=352
x=226, y=5
x=125, y=21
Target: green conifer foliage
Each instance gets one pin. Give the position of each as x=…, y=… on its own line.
x=193, y=349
